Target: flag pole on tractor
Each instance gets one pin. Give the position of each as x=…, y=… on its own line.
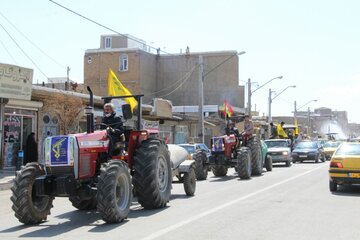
x=115, y=88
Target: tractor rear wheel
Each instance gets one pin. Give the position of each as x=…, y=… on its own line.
x=114, y=191
x=201, y=170
x=219, y=170
x=256, y=157
x=152, y=174
x=83, y=204
x=190, y=182
x=29, y=208
x=244, y=163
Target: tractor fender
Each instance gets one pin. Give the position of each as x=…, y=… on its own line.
x=186, y=165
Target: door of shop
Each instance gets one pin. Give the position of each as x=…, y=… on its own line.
x=17, y=128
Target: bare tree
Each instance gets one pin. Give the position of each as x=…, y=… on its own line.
x=68, y=109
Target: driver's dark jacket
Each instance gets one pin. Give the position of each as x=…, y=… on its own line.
x=235, y=131
x=114, y=122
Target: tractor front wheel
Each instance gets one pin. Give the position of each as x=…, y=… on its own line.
x=244, y=163
x=201, y=170
x=152, y=174
x=29, y=208
x=219, y=170
x=83, y=204
x=114, y=192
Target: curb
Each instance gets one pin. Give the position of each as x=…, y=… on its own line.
x=6, y=186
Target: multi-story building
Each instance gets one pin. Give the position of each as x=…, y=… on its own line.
x=171, y=76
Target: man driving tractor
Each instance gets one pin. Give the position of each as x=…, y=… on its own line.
x=113, y=125
x=248, y=130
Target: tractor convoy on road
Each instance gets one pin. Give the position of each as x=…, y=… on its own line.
x=79, y=167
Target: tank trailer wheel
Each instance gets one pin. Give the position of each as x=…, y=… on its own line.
x=190, y=182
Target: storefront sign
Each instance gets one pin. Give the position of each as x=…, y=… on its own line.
x=59, y=151
x=15, y=82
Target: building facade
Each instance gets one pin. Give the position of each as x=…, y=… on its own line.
x=174, y=77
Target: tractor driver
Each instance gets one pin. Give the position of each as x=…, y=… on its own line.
x=233, y=129
x=248, y=130
x=113, y=125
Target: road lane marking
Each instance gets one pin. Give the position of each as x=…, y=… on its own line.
x=206, y=213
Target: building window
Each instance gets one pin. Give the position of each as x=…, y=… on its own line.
x=107, y=42
x=123, y=63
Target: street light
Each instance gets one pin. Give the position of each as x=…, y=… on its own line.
x=296, y=109
x=271, y=99
x=251, y=92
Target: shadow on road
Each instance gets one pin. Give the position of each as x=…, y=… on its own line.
x=77, y=218
x=222, y=179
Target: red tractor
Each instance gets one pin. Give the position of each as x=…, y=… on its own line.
x=232, y=151
x=78, y=166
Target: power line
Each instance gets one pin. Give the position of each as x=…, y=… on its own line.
x=23, y=51
x=38, y=48
x=8, y=51
x=188, y=77
x=108, y=28
x=220, y=64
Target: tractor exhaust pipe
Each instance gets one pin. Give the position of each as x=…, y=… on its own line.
x=89, y=111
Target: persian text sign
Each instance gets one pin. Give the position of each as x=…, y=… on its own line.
x=59, y=151
x=15, y=82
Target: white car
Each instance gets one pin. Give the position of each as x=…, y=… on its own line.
x=279, y=150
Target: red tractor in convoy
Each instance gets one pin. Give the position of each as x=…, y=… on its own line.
x=78, y=166
x=231, y=151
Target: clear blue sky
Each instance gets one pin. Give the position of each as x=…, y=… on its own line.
x=313, y=44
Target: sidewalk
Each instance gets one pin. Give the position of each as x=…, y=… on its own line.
x=6, y=179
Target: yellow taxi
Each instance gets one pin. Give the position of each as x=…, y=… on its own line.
x=345, y=165
x=329, y=148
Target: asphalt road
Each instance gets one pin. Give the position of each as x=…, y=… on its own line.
x=288, y=203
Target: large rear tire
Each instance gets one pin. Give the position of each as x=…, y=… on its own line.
x=114, y=192
x=29, y=208
x=219, y=170
x=190, y=182
x=244, y=163
x=201, y=169
x=83, y=204
x=256, y=157
x=268, y=163
x=152, y=174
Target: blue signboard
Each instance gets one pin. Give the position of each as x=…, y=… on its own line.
x=59, y=151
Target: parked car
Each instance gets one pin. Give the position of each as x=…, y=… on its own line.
x=192, y=147
x=200, y=153
x=345, y=165
x=308, y=150
x=279, y=150
x=329, y=148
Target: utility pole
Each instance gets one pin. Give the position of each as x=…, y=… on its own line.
x=249, y=97
x=295, y=110
x=309, y=121
x=67, y=78
x=201, y=100
x=270, y=118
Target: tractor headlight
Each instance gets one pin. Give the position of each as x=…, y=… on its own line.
x=285, y=153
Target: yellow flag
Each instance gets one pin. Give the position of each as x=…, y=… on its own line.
x=296, y=127
x=115, y=88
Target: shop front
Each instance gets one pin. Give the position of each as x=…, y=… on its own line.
x=19, y=121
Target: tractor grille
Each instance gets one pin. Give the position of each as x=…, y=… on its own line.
x=61, y=170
